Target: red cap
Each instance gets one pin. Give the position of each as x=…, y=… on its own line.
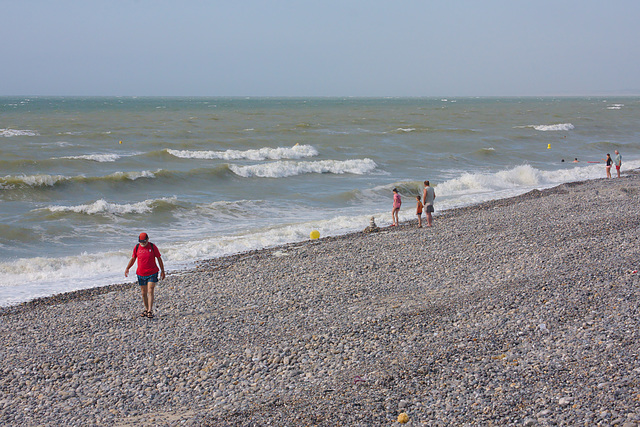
x=143, y=237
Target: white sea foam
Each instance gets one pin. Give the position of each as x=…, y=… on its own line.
x=266, y=153
x=26, y=279
x=470, y=188
x=133, y=175
x=405, y=129
x=476, y=182
x=282, y=169
x=556, y=127
x=17, y=132
x=615, y=107
x=103, y=207
x=96, y=157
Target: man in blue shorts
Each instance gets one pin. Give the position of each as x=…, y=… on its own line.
x=146, y=253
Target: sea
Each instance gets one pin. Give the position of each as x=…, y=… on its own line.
x=81, y=178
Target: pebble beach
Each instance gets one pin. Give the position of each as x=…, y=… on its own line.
x=520, y=311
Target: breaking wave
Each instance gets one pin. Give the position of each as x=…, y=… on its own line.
x=102, y=207
x=44, y=180
x=295, y=152
x=96, y=157
x=284, y=169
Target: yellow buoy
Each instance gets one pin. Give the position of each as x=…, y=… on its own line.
x=403, y=418
x=548, y=146
x=120, y=142
x=315, y=234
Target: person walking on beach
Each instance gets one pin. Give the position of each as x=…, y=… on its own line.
x=419, y=211
x=146, y=253
x=428, y=196
x=397, y=202
x=618, y=162
x=609, y=162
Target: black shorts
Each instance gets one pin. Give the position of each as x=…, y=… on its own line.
x=429, y=208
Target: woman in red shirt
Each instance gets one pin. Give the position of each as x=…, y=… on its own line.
x=146, y=253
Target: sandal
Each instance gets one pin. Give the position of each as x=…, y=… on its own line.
x=150, y=314
x=144, y=313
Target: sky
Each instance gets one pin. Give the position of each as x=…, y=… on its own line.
x=323, y=48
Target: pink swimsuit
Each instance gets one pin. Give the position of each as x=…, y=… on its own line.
x=396, y=201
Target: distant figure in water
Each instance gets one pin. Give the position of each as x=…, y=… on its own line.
x=609, y=163
x=146, y=253
x=419, y=211
x=397, y=202
x=575, y=160
x=428, y=196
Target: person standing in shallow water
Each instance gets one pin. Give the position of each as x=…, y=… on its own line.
x=428, y=196
x=397, y=202
x=609, y=162
x=146, y=253
x=618, y=162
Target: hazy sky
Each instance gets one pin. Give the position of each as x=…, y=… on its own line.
x=320, y=47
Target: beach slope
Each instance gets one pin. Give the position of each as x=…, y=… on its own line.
x=512, y=312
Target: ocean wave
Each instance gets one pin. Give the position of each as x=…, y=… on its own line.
x=102, y=207
x=615, y=107
x=520, y=179
x=95, y=157
x=43, y=180
x=520, y=176
x=551, y=128
x=18, y=132
x=266, y=153
x=284, y=169
x=39, y=180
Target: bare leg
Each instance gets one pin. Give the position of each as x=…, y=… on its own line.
x=150, y=296
x=145, y=299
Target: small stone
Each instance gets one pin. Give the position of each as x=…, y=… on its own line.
x=543, y=413
x=564, y=401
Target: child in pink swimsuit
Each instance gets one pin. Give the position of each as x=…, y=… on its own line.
x=396, y=207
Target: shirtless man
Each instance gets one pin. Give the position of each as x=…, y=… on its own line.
x=428, y=195
x=618, y=162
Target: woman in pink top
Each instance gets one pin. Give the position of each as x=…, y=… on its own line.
x=396, y=207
